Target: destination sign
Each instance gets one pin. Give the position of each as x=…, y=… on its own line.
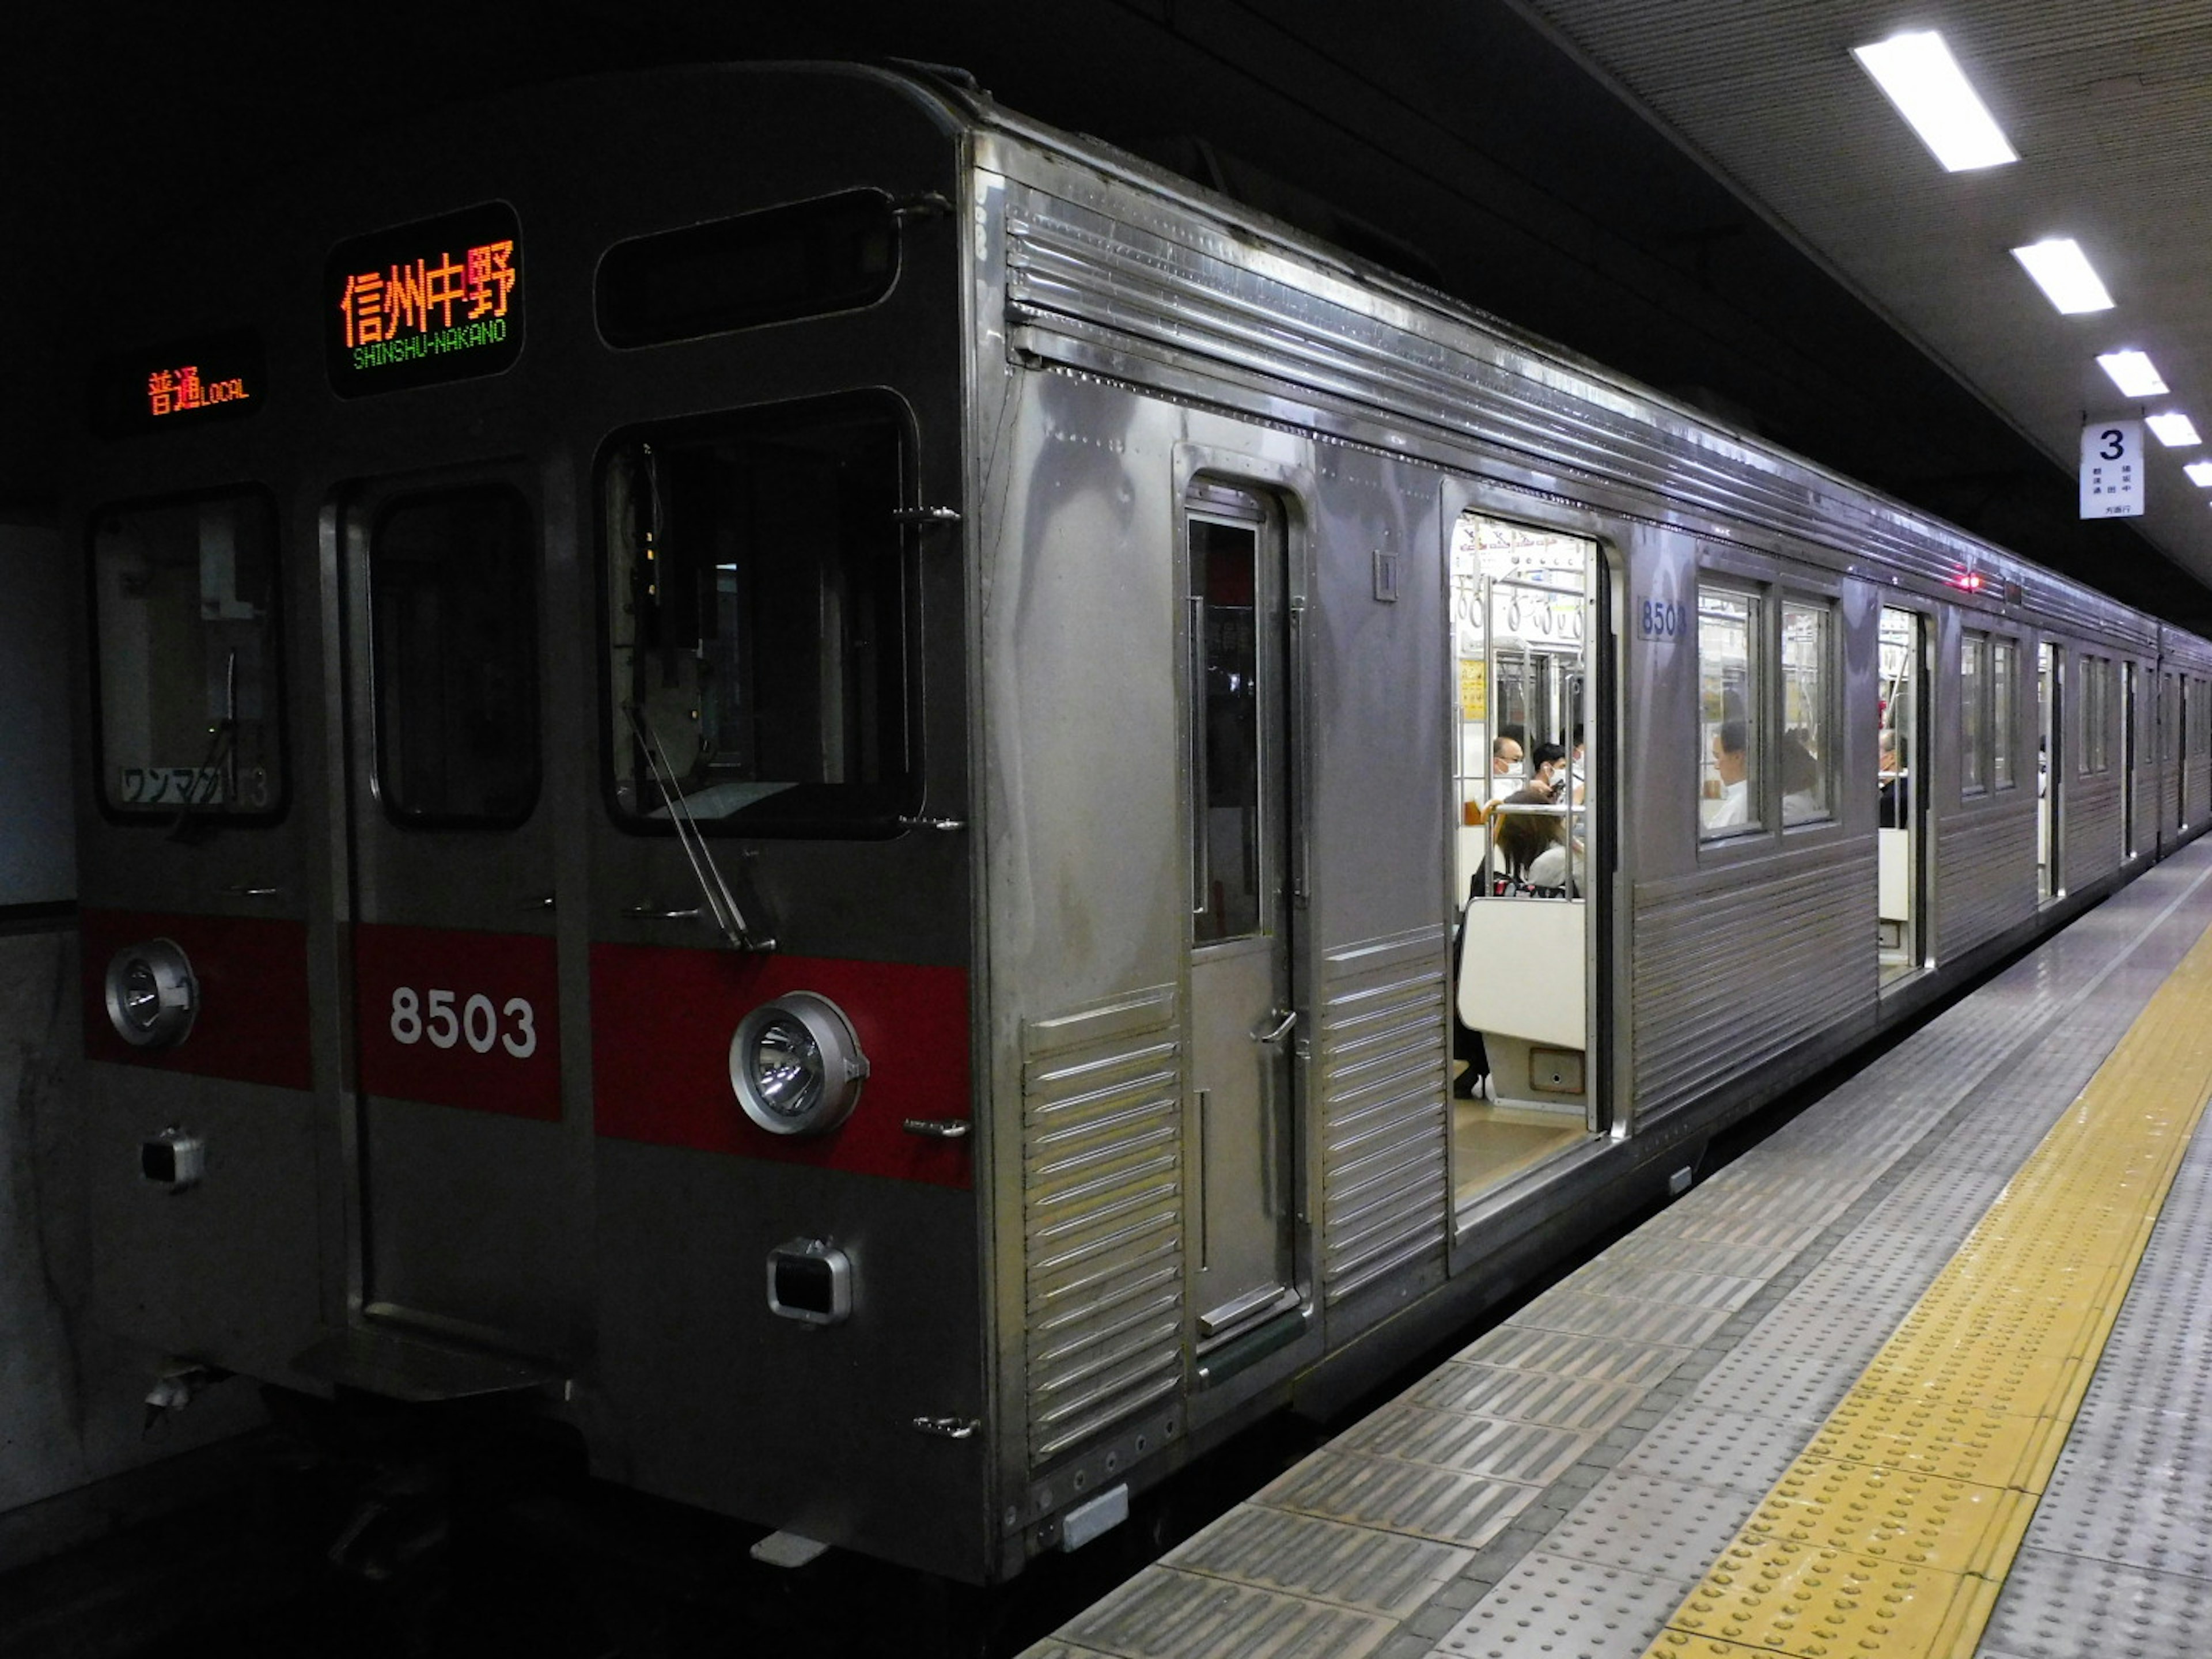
x=442, y=300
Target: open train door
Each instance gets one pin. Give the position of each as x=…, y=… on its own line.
x=1530, y=759
x=467, y=1276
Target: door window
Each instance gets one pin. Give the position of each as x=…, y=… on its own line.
x=454, y=595
x=1225, y=758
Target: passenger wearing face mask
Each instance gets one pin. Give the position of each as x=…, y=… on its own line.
x=1527, y=826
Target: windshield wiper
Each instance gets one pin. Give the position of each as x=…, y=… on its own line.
x=721, y=904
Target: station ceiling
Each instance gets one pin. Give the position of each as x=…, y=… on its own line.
x=1708, y=195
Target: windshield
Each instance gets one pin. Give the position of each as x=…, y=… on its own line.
x=758, y=611
x=183, y=601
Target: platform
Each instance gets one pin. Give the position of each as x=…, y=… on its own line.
x=1920, y=1374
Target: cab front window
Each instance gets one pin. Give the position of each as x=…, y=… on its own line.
x=184, y=623
x=758, y=611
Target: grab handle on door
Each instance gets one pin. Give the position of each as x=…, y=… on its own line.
x=1289, y=1018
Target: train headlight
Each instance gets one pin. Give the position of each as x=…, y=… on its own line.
x=795, y=1065
x=152, y=997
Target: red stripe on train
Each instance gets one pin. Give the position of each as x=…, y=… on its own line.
x=456, y=1018
x=252, y=1024
x=661, y=1022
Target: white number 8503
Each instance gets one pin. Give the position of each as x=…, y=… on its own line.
x=477, y=1023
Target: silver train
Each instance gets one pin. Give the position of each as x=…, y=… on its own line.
x=789, y=768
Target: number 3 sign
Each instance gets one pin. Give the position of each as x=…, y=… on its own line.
x=2111, y=470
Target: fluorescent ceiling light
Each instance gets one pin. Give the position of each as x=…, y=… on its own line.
x=2200, y=472
x=2064, y=274
x=1918, y=74
x=2133, y=373
x=2174, y=431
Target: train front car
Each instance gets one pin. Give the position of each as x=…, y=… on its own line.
x=528, y=934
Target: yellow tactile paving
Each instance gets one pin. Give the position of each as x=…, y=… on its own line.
x=1892, y=1534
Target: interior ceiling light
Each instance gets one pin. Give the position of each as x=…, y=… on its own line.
x=1918, y=74
x=2200, y=472
x=2063, y=272
x=2174, y=431
x=2134, y=372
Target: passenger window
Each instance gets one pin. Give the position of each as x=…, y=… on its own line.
x=2004, y=674
x=1805, y=681
x=1731, y=746
x=185, y=624
x=1973, y=713
x=453, y=583
x=758, y=611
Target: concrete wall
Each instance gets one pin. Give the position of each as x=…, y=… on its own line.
x=38, y=861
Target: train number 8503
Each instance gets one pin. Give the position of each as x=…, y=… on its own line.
x=512, y=1026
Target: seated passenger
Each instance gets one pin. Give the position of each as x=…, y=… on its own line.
x=1729, y=810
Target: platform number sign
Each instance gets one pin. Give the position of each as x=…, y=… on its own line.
x=2111, y=470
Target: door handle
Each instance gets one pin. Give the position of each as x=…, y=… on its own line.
x=1289, y=1018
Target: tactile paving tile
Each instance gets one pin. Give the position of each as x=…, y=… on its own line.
x=1444, y=1504
x=2064, y=1607
x=1718, y=1445
x=1164, y=1614
x=1637, y=1281
x=1669, y=1527
x=1491, y=1446
x=1698, y=1255
x=1959, y=1440
x=1822, y=1603
x=1801, y=1383
x=1552, y=1606
x=1522, y=1396
x=1358, y=1567
x=1892, y=1515
x=1570, y=1353
x=2129, y=1514
x=1563, y=1308
x=1055, y=1647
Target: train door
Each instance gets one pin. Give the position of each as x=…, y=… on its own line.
x=2049, y=689
x=2169, y=755
x=466, y=1230
x=1902, y=840
x=1530, y=760
x=1242, y=995
x=2127, y=760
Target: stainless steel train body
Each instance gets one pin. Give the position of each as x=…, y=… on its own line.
x=1040, y=632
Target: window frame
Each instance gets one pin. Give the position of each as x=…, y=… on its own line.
x=898, y=414
x=2003, y=725
x=1829, y=615
x=165, y=817
x=1756, y=596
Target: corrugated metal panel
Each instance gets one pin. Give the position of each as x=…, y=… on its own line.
x=1383, y=1069
x=1985, y=874
x=1101, y=1215
x=1105, y=279
x=1735, y=966
x=2093, y=830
